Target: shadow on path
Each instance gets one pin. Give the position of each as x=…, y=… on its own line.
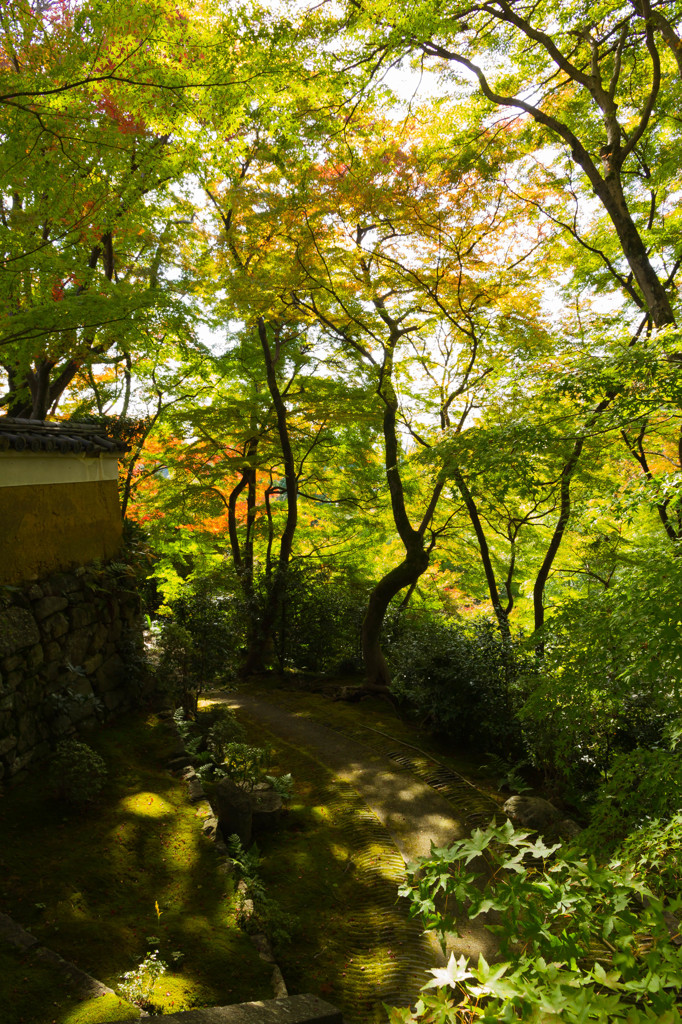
x=404, y=816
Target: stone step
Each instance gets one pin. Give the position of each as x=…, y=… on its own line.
x=303, y=1009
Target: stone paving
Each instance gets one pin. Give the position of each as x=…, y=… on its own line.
x=413, y=813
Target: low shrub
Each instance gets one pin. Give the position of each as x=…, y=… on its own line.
x=209, y=610
x=226, y=729
x=266, y=915
x=609, y=682
x=655, y=850
x=462, y=680
x=644, y=785
x=245, y=764
x=283, y=785
x=320, y=618
x=76, y=772
x=576, y=728
x=137, y=986
x=177, y=676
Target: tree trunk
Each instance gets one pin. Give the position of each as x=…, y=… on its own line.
x=655, y=296
x=501, y=614
x=404, y=575
x=607, y=186
x=261, y=641
x=554, y=544
x=416, y=559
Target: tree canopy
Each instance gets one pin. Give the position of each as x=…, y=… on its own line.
x=222, y=223
x=385, y=300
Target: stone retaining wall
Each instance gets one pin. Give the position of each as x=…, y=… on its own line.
x=70, y=654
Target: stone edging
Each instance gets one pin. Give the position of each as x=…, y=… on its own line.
x=83, y=984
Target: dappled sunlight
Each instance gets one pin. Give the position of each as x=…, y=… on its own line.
x=205, y=703
x=101, y=885
x=180, y=852
x=147, y=805
x=107, y=1007
x=336, y=867
x=174, y=993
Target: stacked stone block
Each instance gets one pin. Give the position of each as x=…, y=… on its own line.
x=70, y=650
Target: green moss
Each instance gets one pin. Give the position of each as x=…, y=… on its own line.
x=334, y=871
x=34, y=991
x=87, y=882
x=101, y=1008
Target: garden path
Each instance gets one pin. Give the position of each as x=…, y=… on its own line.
x=409, y=811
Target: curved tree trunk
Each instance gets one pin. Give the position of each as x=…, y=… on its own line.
x=404, y=575
x=554, y=544
x=605, y=181
x=501, y=614
x=417, y=554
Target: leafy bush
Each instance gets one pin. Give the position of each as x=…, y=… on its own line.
x=655, y=850
x=462, y=680
x=283, y=785
x=568, y=728
x=245, y=861
x=611, y=673
x=319, y=622
x=208, y=606
x=582, y=942
x=207, y=609
x=176, y=672
x=267, y=915
x=574, y=728
x=214, y=739
x=644, y=785
x=244, y=763
x=76, y=772
x=226, y=729
x=505, y=775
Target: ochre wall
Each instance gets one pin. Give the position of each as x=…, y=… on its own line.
x=45, y=528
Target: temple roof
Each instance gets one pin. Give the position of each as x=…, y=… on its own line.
x=21, y=435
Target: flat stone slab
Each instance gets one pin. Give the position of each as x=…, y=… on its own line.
x=305, y=1009
x=15, y=934
x=413, y=813
x=82, y=983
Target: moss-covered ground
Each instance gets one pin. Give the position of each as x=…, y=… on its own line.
x=104, y=883
x=29, y=987
x=333, y=871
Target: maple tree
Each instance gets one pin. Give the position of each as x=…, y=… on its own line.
x=94, y=101
x=404, y=366
x=596, y=83
x=422, y=289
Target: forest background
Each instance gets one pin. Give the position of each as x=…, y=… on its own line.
x=385, y=304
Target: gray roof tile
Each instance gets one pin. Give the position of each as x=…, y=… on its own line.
x=21, y=435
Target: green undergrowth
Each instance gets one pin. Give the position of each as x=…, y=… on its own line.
x=332, y=874
x=105, y=883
